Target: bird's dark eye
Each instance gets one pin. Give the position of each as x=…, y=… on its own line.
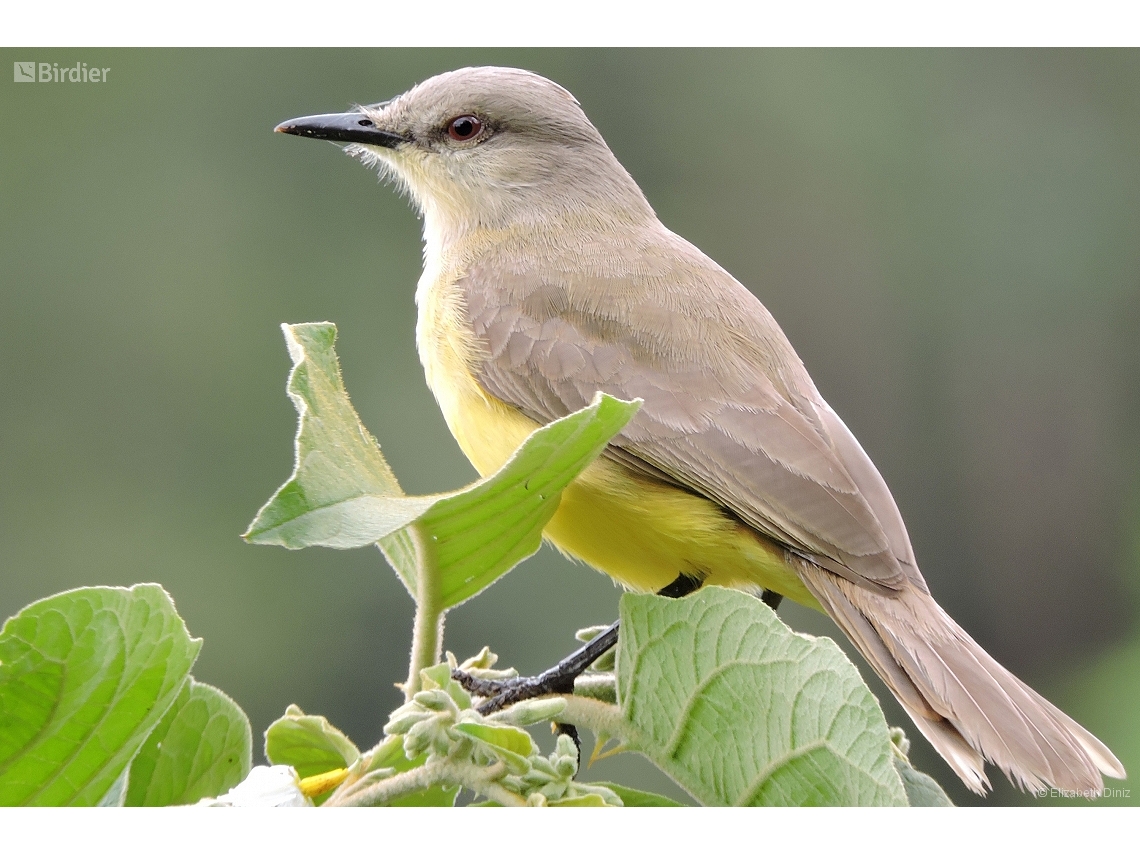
x=464, y=128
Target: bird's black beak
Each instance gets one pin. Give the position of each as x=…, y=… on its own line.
x=341, y=127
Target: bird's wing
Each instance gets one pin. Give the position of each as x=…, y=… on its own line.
x=713, y=419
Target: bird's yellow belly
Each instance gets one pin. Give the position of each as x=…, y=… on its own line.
x=640, y=531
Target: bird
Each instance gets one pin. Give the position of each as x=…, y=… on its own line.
x=548, y=278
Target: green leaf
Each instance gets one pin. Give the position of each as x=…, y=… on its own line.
x=390, y=754
x=585, y=800
x=740, y=710
x=84, y=678
x=117, y=795
x=400, y=552
x=638, y=798
x=342, y=493
x=308, y=743
x=500, y=738
x=510, y=744
x=478, y=534
x=921, y=789
x=200, y=749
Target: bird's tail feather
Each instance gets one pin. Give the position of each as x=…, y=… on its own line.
x=969, y=707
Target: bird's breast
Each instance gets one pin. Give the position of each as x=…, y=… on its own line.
x=487, y=430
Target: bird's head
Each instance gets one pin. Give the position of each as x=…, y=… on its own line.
x=486, y=148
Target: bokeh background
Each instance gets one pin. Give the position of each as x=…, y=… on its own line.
x=950, y=238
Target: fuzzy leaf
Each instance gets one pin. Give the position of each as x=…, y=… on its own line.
x=512, y=745
x=342, y=493
x=308, y=743
x=921, y=789
x=584, y=800
x=500, y=736
x=740, y=710
x=638, y=798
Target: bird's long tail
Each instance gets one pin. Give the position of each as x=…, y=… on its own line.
x=970, y=708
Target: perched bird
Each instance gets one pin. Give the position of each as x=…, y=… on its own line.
x=548, y=277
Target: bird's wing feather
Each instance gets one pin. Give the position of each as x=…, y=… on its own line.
x=718, y=418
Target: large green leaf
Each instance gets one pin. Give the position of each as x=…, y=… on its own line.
x=84, y=678
x=200, y=749
x=740, y=710
x=342, y=493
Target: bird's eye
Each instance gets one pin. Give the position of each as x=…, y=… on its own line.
x=464, y=128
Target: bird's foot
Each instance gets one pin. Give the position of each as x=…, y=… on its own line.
x=771, y=599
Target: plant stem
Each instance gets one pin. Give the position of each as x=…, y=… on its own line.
x=419, y=779
x=413, y=780
x=427, y=630
x=598, y=716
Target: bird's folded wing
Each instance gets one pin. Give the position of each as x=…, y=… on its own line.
x=712, y=420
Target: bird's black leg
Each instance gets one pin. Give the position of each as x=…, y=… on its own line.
x=771, y=599
x=682, y=586
x=560, y=678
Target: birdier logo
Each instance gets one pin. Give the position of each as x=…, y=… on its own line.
x=52, y=72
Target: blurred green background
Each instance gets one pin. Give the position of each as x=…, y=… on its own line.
x=950, y=238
